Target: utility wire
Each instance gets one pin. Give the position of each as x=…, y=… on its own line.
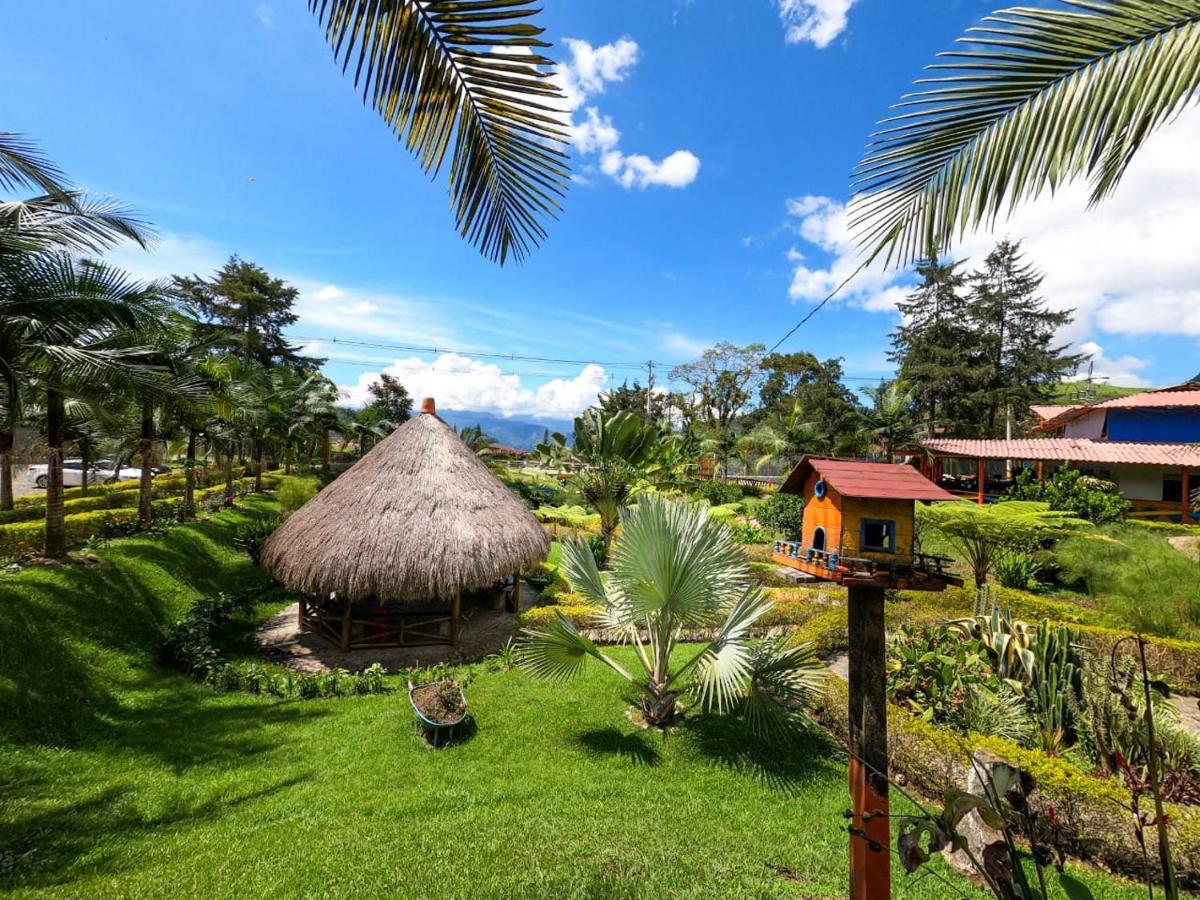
x=816, y=309
x=483, y=355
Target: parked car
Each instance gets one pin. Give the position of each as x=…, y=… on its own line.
x=101, y=472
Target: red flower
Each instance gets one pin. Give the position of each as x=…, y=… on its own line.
x=1052, y=815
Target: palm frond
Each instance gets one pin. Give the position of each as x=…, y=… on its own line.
x=464, y=78
x=783, y=678
x=724, y=667
x=558, y=651
x=673, y=559
x=1038, y=97
x=68, y=220
x=22, y=165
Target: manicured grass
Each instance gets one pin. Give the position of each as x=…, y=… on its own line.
x=122, y=778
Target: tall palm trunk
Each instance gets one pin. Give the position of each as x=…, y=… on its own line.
x=189, y=475
x=324, y=449
x=55, y=545
x=258, y=464
x=145, y=486
x=6, y=481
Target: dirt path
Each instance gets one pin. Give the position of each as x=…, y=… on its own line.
x=1187, y=545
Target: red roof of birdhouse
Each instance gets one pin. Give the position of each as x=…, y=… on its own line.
x=866, y=480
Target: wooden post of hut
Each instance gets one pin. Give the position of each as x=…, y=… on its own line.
x=455, y=617
x=858, y=531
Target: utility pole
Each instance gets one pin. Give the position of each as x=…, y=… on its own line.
x=649, y=386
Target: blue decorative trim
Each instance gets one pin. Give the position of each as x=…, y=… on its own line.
x=819, y=489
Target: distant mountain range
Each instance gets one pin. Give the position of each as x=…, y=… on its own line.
x=524, y=434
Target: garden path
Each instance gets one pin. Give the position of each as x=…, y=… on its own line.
x=1187, y=545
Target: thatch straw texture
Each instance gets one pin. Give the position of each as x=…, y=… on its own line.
x=420, y=516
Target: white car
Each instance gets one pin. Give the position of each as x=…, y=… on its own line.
x=100, y=472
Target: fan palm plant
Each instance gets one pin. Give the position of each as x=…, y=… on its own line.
x=468, y=80
x=673, y=568
x=1037, y=97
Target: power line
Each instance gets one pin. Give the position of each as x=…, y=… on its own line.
x=480, y=354
x=816, y=309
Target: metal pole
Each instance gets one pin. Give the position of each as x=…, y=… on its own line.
x=649, y=386
x=870, y=861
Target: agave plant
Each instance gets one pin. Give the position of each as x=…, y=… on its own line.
x=674, y=569
x=1008, y=642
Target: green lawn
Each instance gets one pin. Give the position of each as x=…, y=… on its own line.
x=121, y=778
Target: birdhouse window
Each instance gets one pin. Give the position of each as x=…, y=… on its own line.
x=819, y=490
x=878, y=535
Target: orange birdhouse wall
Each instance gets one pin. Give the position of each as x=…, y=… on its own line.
x=821, y=513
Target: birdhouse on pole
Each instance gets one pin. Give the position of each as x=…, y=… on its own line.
x=858, y=530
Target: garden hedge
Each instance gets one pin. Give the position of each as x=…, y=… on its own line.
x=1093, y=824
x=83, y=523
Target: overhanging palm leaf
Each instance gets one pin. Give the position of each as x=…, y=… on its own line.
x=67, y=220
x=22, y=165
x=1039, y=97
x=464, y=75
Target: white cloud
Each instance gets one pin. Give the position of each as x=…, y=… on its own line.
x=1124, y=371
x=817, y=21
x=595, y=134
x=677, y=170
x=266, y=14
x=684, y=345
x=586, y=74
x=460, y=382
x=590, y=68
x=1127, y=266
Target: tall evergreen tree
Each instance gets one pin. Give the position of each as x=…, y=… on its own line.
x=248, y=307
x=390, y=400
x=936, y=349
x=1020, y=361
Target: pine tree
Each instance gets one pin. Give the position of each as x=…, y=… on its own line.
x=936, y=349
x=1019, y=359
x=390, y=400
x=248, y=307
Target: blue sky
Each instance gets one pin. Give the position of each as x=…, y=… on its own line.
x=717, y=215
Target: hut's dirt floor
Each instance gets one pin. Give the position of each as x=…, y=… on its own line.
x=484, y=630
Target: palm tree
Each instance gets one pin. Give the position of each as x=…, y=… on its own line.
x=1039, y=97
x=71, y=321
x=59, y=219
x=673, y=569
x=613, y=453
x=890, y=422
x=468, y=76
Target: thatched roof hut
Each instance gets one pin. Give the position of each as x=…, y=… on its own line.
x=420, y=517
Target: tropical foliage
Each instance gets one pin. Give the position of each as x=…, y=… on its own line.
x=466, y=81
x=674, y=569
x=1034, y=98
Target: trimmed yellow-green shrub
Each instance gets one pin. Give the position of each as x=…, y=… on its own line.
x=581, y=615
x=1092, y=823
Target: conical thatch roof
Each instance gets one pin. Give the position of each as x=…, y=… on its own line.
x=420, y=516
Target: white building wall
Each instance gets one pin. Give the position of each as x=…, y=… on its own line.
x=1135, y=482
x=1089, y=425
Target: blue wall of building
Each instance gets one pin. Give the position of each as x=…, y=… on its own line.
x=1171, y=426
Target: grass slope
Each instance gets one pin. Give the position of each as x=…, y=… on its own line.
x=121, y=778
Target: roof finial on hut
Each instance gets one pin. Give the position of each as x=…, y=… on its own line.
x=428, y=406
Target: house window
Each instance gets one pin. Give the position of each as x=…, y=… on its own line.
x=819, y=539
x=1172, y=489
x=878, y=535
